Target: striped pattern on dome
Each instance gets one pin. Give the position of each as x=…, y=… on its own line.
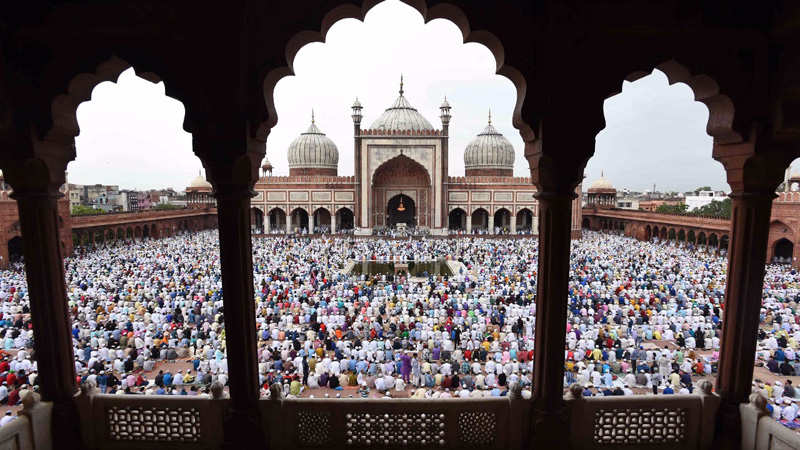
x=401, y=116
x=489, y=150
x=313, y=150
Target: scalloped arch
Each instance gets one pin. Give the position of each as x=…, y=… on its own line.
x=440, y=11
x=64, y=107
x=706, y=90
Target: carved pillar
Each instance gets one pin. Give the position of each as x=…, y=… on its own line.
x=753, y=179
x=555, y=210
x=36, y=189
x=333, y=222
x=288, y=223
x=513, y=224
x=267, y=224
x=311, y=223
x=469, y=223
x=235, y=250
x=491, y=223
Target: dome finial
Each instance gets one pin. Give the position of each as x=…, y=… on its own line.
x=312, y=115
x=401, y=84
x=490, y=116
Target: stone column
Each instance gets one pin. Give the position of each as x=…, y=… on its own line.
x=491, y=223
x=753, y=179
x=288, y=223
x=513, y=224
x=235, y=249
x=37, y=194
x=311, y=223
x=555, y=208
x=333, y=222
x=469, y=223
x=266, y=223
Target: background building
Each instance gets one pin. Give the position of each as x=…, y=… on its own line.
x=400, y=181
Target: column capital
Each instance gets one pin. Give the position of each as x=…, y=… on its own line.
x=754, y=167
x=41, y=168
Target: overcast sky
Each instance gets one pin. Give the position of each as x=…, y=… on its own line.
x=131, y=133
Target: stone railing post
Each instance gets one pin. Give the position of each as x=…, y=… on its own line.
x=751, y=413
x=710, y=402
x=275, y=416
x=40, y=416
x=519, y=421
x=36, y=184
x=578, y=430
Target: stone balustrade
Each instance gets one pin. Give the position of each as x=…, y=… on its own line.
x=673, y=421
x=174, y=422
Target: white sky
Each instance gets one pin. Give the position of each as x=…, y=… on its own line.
x=131, y=133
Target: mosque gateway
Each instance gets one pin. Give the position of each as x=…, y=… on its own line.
x=401, y=164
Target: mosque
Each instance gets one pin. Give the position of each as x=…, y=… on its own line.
x=400, y=180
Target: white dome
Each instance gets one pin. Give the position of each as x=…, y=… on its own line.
x=601, y=183
x=313, y=150
x=490, y=150
x=200, y=183
x=401, y=116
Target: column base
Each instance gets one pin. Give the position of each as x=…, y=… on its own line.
x=243, y=429
x=550, y=429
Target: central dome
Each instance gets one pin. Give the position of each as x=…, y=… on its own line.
x=401, y=116
x=313, y=153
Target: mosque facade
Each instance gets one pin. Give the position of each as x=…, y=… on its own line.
x=400, y=180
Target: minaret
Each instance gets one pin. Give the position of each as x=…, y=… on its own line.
x=357, y=160
x=445, y=116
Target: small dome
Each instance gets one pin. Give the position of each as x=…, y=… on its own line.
x=490, y=150
x=401, y=116
x=356, y=104
x=267, y=165
x=601, y=184
x=200, y=183
x=313, y=150
x=445, y=104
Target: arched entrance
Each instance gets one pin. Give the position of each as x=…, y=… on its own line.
x=322, y=221
x=277, y=219
x=15, y=248
x=401, y=178
x=457, y=220
x=256, y=221
x=299, y=220
x=401, y=210
x=480, y=220
x=344, y=219
x=524, y=220
x=502, y=220
x=783, y=251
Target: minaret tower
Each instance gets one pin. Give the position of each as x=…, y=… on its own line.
x=445, y=116
x=357, y=158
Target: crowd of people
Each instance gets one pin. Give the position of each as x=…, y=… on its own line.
x=644, y=317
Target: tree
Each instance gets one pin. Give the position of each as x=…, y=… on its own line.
x=165, y=206
x=83, y=210
x=672, y=209
x=721, y=209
